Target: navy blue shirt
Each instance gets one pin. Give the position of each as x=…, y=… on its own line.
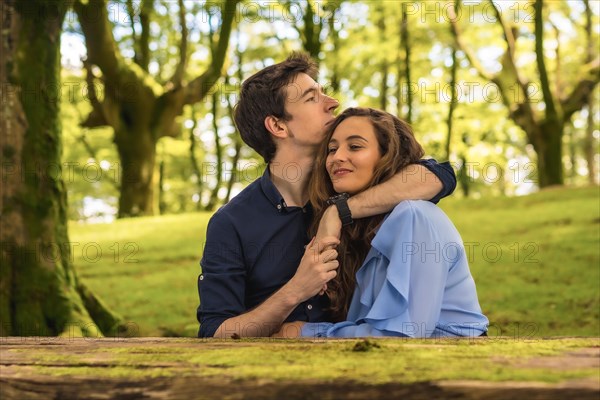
x=253, y=247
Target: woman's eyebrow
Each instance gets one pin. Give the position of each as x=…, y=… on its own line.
x=356, y=137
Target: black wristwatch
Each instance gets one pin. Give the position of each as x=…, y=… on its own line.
x=341, y=202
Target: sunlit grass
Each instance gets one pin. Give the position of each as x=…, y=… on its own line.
x=535, y=259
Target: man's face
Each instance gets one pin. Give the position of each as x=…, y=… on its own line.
x=310, y=108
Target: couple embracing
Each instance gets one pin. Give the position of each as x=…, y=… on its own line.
x=349, y=245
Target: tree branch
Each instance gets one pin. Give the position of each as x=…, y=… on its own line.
x=197, y=89
x=582, y=91
x=179, y=71
x=143, y=58
x=100, y=43
x=551, y=112
x=469, y=53
x=507, y=31
x=96, y=117
x=559, y=83
x=131, y=13
x=508, y=60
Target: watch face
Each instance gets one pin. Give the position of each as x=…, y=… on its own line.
x=336, y=198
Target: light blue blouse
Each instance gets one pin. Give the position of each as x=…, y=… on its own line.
x=415, y=281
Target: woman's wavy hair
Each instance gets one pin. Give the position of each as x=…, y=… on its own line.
x=398, y=148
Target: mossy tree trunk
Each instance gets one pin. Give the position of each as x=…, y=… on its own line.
x=40, y=293
x=136, y=105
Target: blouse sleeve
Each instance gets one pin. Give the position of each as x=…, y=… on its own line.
x=409, y=301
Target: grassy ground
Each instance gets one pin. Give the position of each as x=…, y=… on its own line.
x=535, y=259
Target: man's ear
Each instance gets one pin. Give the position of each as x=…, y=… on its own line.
x=276, y=126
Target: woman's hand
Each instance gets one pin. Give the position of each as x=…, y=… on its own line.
x=289, y=330
x=330, y=224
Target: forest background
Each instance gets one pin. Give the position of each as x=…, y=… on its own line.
x=143, y=94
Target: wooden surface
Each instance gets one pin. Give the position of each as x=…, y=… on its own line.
x=167, y=368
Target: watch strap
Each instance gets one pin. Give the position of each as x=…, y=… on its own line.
x=341, y=203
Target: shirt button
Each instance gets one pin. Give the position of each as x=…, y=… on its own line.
x=309, y=306
x=201, y=277
x=279, y=206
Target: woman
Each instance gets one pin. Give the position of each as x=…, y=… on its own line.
x=400, y=274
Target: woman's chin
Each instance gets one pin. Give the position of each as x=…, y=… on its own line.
x=345, y=189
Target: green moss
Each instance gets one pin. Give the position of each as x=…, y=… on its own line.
x=405, y=361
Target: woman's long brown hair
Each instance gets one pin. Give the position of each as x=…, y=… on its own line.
x=398, y=148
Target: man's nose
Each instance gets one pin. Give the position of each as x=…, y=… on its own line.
x=330, y=103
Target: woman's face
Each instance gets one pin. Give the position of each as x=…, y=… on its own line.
x=352, y=154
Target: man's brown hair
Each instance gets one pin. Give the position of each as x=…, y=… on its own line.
x=263, y=95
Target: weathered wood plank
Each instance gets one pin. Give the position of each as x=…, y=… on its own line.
x=165, y=368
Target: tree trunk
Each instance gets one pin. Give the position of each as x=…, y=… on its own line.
x=136, y=105
x=570, y=132
x=40, y=293
x=405, y=43
x=137, y=153
x=234, y=167
x=549, y=153
x=194, y=159
x=162, y=204
x=463, y=177
x=214, y=194
x=588, y=143
x=383, y=68
x=453, y=102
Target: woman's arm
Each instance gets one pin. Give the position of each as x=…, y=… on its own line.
x=410, y=300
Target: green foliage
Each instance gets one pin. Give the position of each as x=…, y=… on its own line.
x=357, y=40
x=534, y=259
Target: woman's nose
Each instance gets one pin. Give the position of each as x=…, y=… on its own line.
x=339, y=156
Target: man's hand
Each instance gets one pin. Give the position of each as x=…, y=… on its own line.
x=317, y=267
x=289, y=330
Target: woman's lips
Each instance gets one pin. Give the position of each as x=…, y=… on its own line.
x=341, y=172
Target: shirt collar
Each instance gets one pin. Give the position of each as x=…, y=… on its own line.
x=271, y=191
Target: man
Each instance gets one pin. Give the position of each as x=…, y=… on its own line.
x=259, y=267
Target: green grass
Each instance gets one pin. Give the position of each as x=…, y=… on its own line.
x=535, y=259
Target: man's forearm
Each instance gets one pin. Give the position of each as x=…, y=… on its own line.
x=415, y=182
x=262, y=321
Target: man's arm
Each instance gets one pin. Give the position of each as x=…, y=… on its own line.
x=222, y=287
x=427, y=180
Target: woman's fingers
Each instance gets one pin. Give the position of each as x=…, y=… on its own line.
x=322, y=244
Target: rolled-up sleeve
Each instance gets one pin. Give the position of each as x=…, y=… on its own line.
x=221, y=284
x=445, y=174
